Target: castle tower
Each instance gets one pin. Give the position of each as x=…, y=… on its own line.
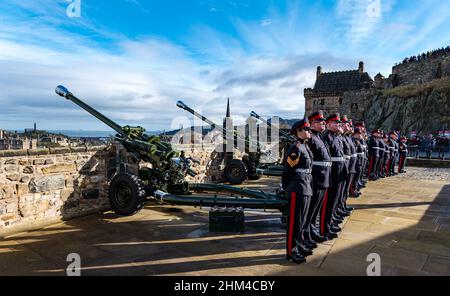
x=379, y=81
x=319, y=72
x=361, y=67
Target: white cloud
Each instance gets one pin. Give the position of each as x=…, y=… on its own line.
x=263, y=67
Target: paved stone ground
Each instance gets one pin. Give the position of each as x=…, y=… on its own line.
x=405, y=220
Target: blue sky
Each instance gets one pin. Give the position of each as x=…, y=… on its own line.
x=132, y=59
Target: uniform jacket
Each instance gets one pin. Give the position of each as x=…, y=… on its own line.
x=403, y=149
x=373, y=147
x=321, y=174
x=335, y=146
x=352, y=162
x=359, y=150
x=298, y=157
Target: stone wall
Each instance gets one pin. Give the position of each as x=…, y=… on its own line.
x=422, y=71
x=42, y=186
x=327, y=103
x=354, y=103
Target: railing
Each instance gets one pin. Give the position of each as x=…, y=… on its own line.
x=437, y=152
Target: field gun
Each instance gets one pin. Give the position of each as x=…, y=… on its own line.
x=286, y=141
x=165, y=180
x=237, y=171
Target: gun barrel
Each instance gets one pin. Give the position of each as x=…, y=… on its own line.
x=254, y=114
x=182, y=105
x=65, y=93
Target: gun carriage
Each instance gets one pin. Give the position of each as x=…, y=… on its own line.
x=165, y=181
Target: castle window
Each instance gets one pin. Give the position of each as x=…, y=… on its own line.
x=354, y=107
x=340, y=101
x=322, y=102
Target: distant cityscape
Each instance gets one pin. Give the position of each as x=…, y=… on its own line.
x=33, y=138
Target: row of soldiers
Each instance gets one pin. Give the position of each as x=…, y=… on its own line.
x=327, y=164
x=384, y=149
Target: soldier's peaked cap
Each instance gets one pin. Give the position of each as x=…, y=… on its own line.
x=344, y=119
x=359, y=124
x=334, y=117
x=316, y=116
x=300, y=125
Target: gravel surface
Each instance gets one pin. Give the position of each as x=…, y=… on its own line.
x=427, y=174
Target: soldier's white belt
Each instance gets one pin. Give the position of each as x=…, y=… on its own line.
x=306, y=171
x=337, y=159
x=347, y=157
x=322, y=163
x=361, y=153
x=376, y=148
x=354, y=155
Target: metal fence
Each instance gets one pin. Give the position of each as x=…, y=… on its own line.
x=438, y=152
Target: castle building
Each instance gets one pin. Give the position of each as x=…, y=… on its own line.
x=328, y=92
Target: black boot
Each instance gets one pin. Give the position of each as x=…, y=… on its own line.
x=296, y=258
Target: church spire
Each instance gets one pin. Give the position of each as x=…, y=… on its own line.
x=228, y=109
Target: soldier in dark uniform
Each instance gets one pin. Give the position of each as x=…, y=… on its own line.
x=382, y=148
x=387, y=156
x=393, y=137
x=358, y=143
x=321, y=175
x=374, y=155
x=403, y=147
x=332, y=139
x=297, y=183
x=361, y=182
x=343, y=210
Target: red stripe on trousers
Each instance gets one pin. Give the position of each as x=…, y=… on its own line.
x=400, y=164
x=387, y=166
x=370, y=166
x=291, y=223
x=324, y=211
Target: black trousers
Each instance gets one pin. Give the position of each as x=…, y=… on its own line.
x=392, y=163
x=330, y=204
x=373, y=162
x=315, y=207
x=364, y=171
x=380, y=166
x=357, y=178
x=296, y=220
x=344, y=196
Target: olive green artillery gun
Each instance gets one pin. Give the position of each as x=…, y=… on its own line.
x=286, y=141
x=165, y=181
x=237, y=171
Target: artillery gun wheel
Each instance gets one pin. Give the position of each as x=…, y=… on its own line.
x=235, y=172
x=126, y=194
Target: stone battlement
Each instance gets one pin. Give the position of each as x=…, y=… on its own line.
x=42, y=186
